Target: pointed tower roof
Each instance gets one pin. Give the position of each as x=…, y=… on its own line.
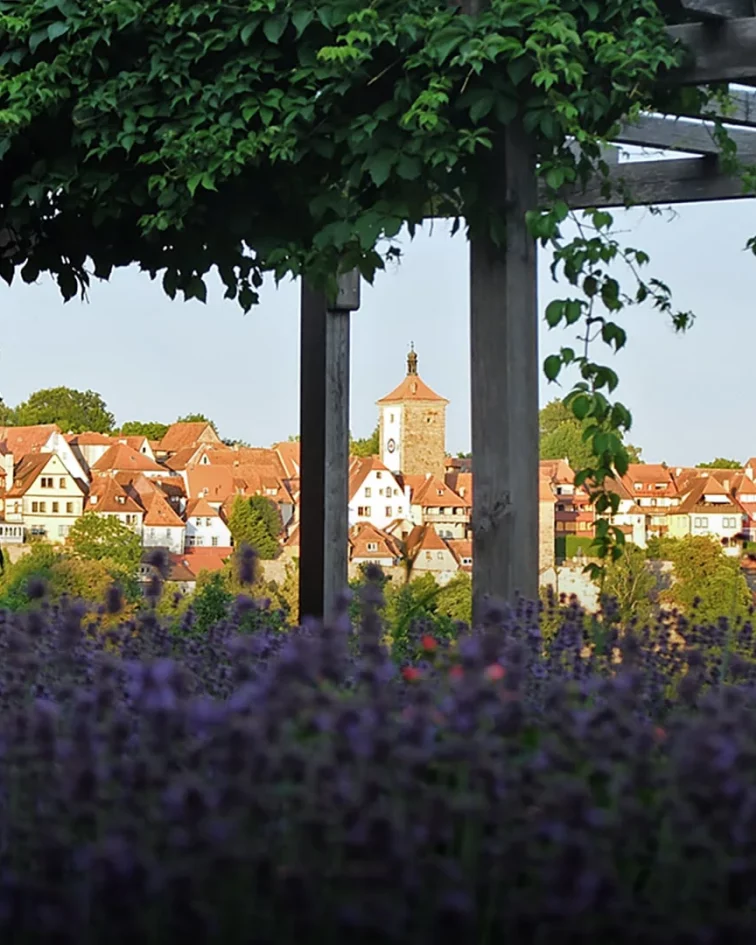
x=413, y=387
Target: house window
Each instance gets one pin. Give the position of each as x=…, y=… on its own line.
x=702, y=522
x=167, y=533
x=440, y=555
x=43, y=506
x=379, y=475
x=396, y=492
x=467, y=561
x=207, y=522
x=372, y=546
x=17, y=507
x=152, y=533
x=63, y=530
x=429, y=556
x=69, y=508
x=214, y=541
x=35, y=507
x=46, y=482
x=368, y=492
x=637, y=486
x=198, y=541
x=62, y=482
x=388, y=511
x=391, y=418
x=399, y=510
x=199, y=523
x=55, y=507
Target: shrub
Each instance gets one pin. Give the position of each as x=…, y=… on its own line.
x=307, y=787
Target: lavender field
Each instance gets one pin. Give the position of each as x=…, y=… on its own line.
x=593, y=783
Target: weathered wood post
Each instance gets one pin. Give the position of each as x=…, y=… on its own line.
x=312, y=423
x=336, y=518
x=504, y=387
x=324, y=445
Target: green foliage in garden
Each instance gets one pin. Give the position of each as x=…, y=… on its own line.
x=630, y=584
x=256, y=522
x=367, y=446
x=283, y=138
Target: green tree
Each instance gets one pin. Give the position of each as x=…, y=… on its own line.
x=96, y=537
x=720, y=463
x=211, y=601
x=630, y=583
x=153, y=431
x=74, y=411
x=7, y=415
x=703, y=574
x=197, y=418
x=368, y=446
x=38, y=564
x=561, y=437
x=454, y=600
x=255, y=522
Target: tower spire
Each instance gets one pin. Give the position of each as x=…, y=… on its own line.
x=412, y=360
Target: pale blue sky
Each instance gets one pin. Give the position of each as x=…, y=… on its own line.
x=151, y=358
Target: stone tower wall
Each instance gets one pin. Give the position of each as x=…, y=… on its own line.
x=423, y=438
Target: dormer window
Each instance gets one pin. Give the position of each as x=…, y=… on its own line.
x=372, y=546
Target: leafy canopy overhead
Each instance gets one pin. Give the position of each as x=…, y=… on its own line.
x=275, y=136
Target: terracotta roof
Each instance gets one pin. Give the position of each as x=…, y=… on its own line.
x=26, y=472
x=696, y=500
x=432, y=492
x=200, y=507
x=179, y=571
x=558, y=471
x=412, y=388
x=461, y=483
x=363, y=534
x=135, y=442
x=461, y=548
x=360, y=468
x=110, y=496
x=424, y=538
x=24, y=440
x=121, y=457
x=90, y=439
x=180, y=435
x=292, y=539
x=217, y=480
x=181, y=459
x=545, y=492
x=289, y=457
x=159, y=512
x=206, y=559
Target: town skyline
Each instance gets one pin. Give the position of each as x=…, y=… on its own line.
x=154, y=359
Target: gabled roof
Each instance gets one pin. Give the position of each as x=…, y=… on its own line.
x=432, y=492
x=364, y=533
x=424, y=538
x=697, y=498
x=122, y=457
x=181, y=459
x=180, y=435
x=558, y=471
x=545, y=491
x=461, y=548
x=461, y=483
x=200, y=507
x=26, y=473
x=206, y=559
x=159, y=512
x=24, y=440
x=412, y=388
x=360, y=468
x=217, y=480
x=89, y=439
x=110, y=496
x=289, y=457
x=292, y=538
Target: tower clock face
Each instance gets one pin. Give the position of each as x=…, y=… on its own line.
x=391, y=446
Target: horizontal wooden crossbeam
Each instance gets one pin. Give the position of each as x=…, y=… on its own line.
x=719, y=9
x=671, y=134
x=641, y=183
x=722, y=53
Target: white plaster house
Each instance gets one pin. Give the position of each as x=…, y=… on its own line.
x=205, y=527
x=375, y=494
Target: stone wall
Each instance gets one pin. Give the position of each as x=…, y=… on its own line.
x=546, y=535
x=424, y=439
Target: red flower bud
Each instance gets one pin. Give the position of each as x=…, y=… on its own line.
x=411, y=673
x=429, y=643
x=495, y=671
x=456, y=672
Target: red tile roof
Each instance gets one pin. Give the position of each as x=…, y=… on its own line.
x=360, y=468
x=461, y=548
x=217, y=480
x=89, y=439
x=412, y=388
x=121, y=457
x=110, y=496
x=363, y=534
x=206, y=559
x=202, y=508
x=180, y=435
x=432, y=492
x=26, y=473
x=424, y=538
x=23, y=440
x=159, y=512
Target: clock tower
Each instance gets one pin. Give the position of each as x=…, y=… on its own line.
x=413, y=426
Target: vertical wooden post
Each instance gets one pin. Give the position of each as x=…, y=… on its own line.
x=504, y=376
x=312, y=424
x=336, y=557
x=324, y=445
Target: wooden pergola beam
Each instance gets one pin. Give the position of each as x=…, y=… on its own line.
x=669, y=133
x=719, y=9
x=643, y=183
x=725, y=52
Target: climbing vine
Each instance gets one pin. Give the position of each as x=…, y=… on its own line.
x=293, y=137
